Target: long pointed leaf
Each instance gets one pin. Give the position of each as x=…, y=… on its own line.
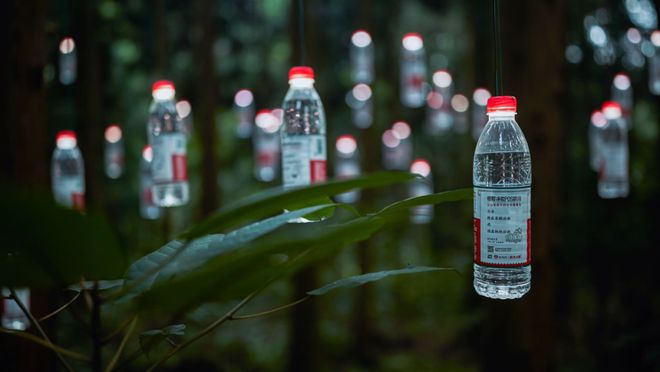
x=358, y=280
x=274, y=200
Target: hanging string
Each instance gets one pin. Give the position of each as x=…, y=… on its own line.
x=497, y=42
x=301, y=31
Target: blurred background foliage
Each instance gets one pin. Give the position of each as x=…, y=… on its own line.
x=594, y=303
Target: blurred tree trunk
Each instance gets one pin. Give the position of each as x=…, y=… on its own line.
x=24, y=145
x=304, y=355
x=89, y=97
x=161, y=37
x=523, y=330
x=207, y=100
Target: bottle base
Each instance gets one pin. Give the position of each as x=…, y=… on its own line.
x=171, y=194
x=502, y=283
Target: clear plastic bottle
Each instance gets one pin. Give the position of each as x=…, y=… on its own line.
x=598, y=121
x=502, y=179
x=362, y=57
x=168, y=141
x=347, y=165
x=413, y=88
x=359, y=100
x=13, y=316
x=114, y=152
x=422, y=214
x=68, y=172
x=622, y=93
x=303, y=132
x=244, y=109
x=613, y=170
x=148, y=210
x=479, y=118
x=654, y=64
x=68, y=61
x=266, y=144
x=397, y=147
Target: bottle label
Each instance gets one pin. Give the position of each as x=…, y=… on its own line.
x=169, y=158
x=502, y=227
x=615, y=163
x=70, y=192
x=303, y=160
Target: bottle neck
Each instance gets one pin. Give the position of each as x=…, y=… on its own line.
x=501, y=115
x=301, y=83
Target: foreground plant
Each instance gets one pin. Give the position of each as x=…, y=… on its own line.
x=226, y=257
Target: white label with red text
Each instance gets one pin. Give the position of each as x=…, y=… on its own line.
x=70, y=192
x=169, y=158
x=303, y=160
x=502, y=227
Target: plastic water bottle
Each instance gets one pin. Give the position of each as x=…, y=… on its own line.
x=362, y=57
x=480, y=98
x=68, y=172
x=397, y=147
x=114, y=152
x=623, y=94
x=359, y=100
x=598, y=121
x=413, y=71
x=266, y=145
x=67, y=61
x=303, y=132
x=613, y=171
x=654, y=65
x=244, y=109
x=347, y=165
x=148, y=210
x=13, y=316
x=502, y=178
x=460, y=105
x=422, y=214
x=168, y=141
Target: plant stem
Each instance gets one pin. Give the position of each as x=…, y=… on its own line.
x=204, y=332
x=115, y=358
x=61, y=308
x=269, y=312
x=96, y=328
x=116, y=332
x=34, y=321
x=46, y=344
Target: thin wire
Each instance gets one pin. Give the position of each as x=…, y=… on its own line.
x=497, y=38
x=301, y=30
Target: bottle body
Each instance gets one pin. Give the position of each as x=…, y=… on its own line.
x=168, y=141
x=302, y=136
x=413, y=77
x=68, y=177
x=347, y=165
x=502, y=178
x=654, y=72
x=13, y=316
x=613, y=171
x=422, y=214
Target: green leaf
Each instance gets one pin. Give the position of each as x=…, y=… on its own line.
x=47, y=245
x=255, y=265
x=177, y=258
x=151, y=339
x=275, y=200
x=356, y=281
x=441, y=197
x=102, y=285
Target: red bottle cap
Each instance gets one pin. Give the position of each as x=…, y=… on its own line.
x=160, y=84
x=301, y=72
x=611, y=110
x=501, y=104
x=66, y=139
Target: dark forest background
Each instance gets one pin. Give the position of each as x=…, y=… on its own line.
x=594, y=303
